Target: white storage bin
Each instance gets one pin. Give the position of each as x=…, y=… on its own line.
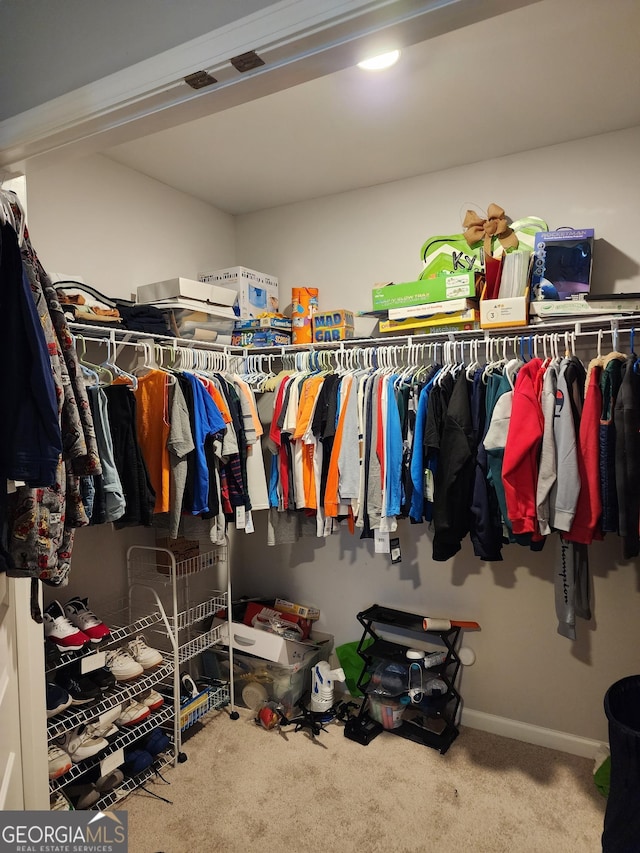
x=184, y=287
x=255, y=292
x=273, y=647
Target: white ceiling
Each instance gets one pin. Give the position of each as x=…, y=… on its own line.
x=539, y=75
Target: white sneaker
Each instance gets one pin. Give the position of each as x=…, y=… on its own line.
x=59, y=761
x=81, y=744
x=144, y=654
x=105, y=724
x=77, y=612
x=60, y=631
x=121, y=665
x=59, y=803
x=132, y=713
x=152, y=699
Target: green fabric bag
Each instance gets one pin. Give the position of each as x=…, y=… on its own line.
x=352, y=664
x=602, y=777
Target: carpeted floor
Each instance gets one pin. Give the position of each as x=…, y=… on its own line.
x=248, y=790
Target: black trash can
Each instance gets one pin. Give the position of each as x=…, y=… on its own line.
x=622, y=817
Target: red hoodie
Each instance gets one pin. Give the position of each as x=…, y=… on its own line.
x=522, y=450
x=586, y=522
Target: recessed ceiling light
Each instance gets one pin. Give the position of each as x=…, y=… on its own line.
x=377, y=63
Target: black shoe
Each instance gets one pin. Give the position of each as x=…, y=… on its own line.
x=51, y=655
x=103, y=784
x=82, y=796
x=82, y=690
x=104, y=679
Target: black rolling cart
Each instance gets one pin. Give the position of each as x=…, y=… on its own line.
x=426, y=719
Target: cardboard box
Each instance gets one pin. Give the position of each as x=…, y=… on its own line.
x=562, y=264
x=429, y=309
x=302, y=610
x=278, y=324
x=262, y=616
x=332, y=325
x=261, y=338
x=174, y=288
x=504, y=313
x=436, y=289
x=255, y=292
x=438, y=323
x=181, y=548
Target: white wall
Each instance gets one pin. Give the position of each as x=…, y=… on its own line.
x=343, y=244
x=118, y=229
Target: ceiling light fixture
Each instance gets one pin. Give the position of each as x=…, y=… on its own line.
x=377, y=63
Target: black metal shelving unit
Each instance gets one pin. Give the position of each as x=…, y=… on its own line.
x=433, y=726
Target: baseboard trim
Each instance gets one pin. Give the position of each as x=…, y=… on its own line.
x=538, y=735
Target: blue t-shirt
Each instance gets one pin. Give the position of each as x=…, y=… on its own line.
x=207, y=421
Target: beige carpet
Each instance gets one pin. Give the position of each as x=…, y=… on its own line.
x=248, y=790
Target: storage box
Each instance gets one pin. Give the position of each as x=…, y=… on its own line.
x=562, y=263
x=332, y=326
x=255, y=292
x=436, y=289
x=261, y=338
x=181, y=548
x=301, y=610
x=504, y=313
x=276, y=324
x=460, y=320
x=256, y=681
x=184, y=287
x=429, y=309
x=274, y=647
x=290, y=625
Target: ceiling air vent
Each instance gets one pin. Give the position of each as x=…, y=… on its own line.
x=200, y=79
x=246, y=61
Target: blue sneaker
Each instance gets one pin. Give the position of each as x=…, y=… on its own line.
x=58, y=699
x=136, y=761
x=156, y=742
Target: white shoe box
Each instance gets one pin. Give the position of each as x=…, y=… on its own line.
x=187, y=288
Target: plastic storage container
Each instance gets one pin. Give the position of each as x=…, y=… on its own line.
x=386, y=710
x=257, y=680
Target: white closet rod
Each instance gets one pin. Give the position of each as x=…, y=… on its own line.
x=533, y=335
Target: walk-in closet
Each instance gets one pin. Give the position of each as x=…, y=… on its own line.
x=323, y=177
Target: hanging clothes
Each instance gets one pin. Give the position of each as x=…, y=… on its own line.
x=152, y=424
x=586, y=522
x=136, y=484
x=520, y=464
x=454, y=474
x=627, y=457
x=39, y=522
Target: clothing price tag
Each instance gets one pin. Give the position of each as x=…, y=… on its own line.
x=381, y=542
x=240, y=518
x=112, y=761
x=328, y=526
x=396, y=554
x=428, y=485
x=91, y=662
x=248, y=527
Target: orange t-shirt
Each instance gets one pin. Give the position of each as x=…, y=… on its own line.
x=153, y=432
